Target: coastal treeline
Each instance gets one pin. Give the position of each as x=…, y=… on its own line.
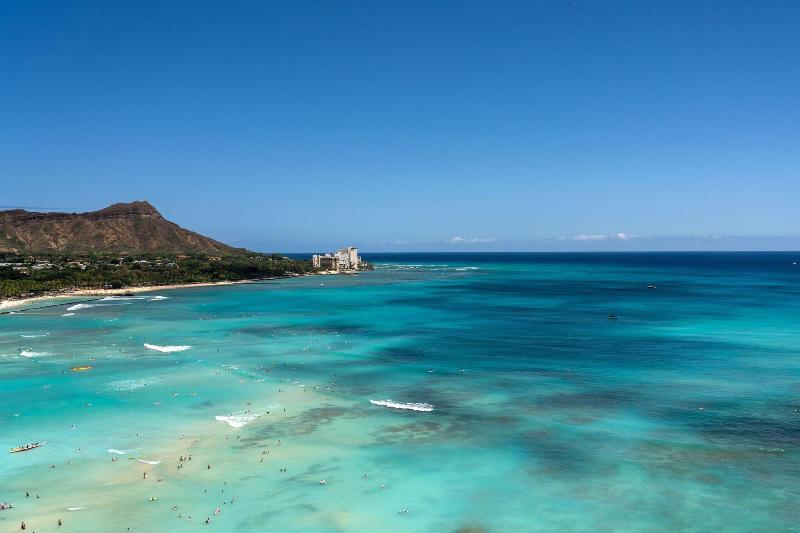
x=31, y=275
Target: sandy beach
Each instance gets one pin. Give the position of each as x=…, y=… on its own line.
x=77, y=293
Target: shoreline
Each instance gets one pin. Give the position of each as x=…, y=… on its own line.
x=10, y=304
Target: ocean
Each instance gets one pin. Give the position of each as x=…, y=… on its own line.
x=437, y=393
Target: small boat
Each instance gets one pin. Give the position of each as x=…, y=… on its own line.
x=26, y=447
x=82, y=368
x=651, y=287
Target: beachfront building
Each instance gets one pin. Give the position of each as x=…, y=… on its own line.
x=325, y=262
x=343, y=259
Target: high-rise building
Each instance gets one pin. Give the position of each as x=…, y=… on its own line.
x=343, y=259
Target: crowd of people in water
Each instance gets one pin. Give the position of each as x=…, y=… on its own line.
x=182, y=461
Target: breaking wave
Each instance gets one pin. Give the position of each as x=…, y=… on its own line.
x=237, y=421
x=117, y=452
x=424, y=407
x=166, y=349
x=131, y=384
x=28, y=353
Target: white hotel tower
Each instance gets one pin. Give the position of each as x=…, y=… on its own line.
x=343, y=259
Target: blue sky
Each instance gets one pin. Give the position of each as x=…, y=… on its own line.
x=413, y=125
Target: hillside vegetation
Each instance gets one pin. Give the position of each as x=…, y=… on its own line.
x=32, y=275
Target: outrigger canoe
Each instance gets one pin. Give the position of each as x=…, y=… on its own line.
x=82, y=368
x=26, y=447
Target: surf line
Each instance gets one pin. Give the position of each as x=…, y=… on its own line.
x=47, y=306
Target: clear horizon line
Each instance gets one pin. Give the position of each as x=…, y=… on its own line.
x=562, y=252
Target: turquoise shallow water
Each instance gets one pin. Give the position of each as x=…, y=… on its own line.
x=546, y=416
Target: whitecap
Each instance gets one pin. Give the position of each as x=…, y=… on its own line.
x=28, y=353
x=79, y=306
x=237, y=421
x=68, y=314
x=114, y=298
x=74, y=508
x=166, y=349
x=159, y=298
x=424, y=407
x=117, y=452
x=34, y=336
x=148, y=462
x=131, y=384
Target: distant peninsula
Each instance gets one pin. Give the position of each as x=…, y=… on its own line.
x=125, y=245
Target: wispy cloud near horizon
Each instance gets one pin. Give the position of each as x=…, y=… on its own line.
x=599, y=237
x=472, y=240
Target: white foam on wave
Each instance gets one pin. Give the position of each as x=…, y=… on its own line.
x=424, y=407
x=68, y=314
x=115, y=298
x=74, y=508
x=148, y=462
x=166, y=349
x=237, y=421
x=117, y=452
x=28, y=353
x=131, y=384
x=34, y=336
x=159, y=298
x=76, y=307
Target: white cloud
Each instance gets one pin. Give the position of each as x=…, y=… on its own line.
x=589, y=237
x=473, y=240
x=599, y=237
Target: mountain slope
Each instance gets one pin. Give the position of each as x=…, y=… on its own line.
x=135, y=227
